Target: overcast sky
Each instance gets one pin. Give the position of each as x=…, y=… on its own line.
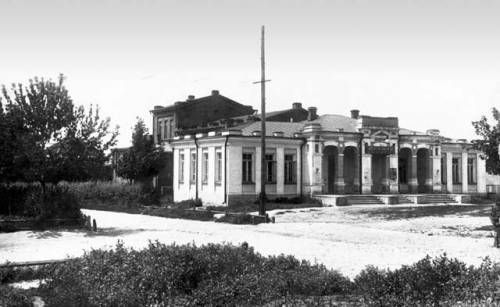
x=434, y=64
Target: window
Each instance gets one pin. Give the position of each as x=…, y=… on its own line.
x=171, y=127
x=160, y=129
x=316, y=148
x=470, y=171
x=218, y=166
x=204, y=167
x=181, y=168
x=455, y=171
x=270, y=169
x=290, y=169
x=192, y=176
x=247, y=168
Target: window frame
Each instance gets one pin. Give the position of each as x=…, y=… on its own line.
x=247, y=167
x=192, y=169
x=218, y=166
x=271, y=165
x=290, y=169
x=181, y=166
x=204, y=166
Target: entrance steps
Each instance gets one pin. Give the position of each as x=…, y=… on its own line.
x=391, y=199
x=435, y=198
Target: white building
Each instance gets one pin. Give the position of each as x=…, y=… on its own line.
x=329, y=154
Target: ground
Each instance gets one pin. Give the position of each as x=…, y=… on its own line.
x=342, y=238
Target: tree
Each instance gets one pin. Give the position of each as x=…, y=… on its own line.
x=50, y=139
x=143, y=160
x=489, y=144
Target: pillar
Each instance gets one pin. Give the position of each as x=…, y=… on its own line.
x=280, y=170
x=356, y=171
x=413, y=182
x=465, y=185
x=299, y=171
x=366, y=173
x=449, y=172
x=257, y=162
x=339, y=180
x=314, y=160
x=436, y=171
x=393, y=165
x=429, y=176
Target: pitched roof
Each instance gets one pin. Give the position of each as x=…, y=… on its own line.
x=287, y=128
x=196, y=101
x=333, y=122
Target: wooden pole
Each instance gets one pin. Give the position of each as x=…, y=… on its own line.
x=262, y=203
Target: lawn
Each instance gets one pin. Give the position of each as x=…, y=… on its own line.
x=343, y=238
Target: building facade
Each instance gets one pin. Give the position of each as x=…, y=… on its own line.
x=328, y=154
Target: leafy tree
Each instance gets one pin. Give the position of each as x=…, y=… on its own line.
x=49, y=139
x=143, y=160
x=490, y=141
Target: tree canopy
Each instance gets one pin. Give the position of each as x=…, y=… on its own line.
x=46, y=139
x=489, y=144
x=143, y=160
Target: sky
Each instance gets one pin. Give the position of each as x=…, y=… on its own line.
x=433, y=64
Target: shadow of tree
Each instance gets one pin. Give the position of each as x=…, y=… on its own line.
x=101, y=232
x=395, y=213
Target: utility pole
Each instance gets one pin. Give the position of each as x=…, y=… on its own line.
x=262, y=200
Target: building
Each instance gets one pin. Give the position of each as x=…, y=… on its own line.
x=330, y=154
x=194, y=115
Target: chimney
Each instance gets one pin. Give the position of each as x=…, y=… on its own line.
x=354, y=114
x=215, y=92
x=190, y=97
x=296, y=105
x=311, y=115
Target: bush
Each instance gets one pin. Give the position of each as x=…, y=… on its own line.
x=29, y=201
x=428, y=282
x=188, y=204
x=177, y=213
x=213, y=274
x=10, y=296
x=242, y=219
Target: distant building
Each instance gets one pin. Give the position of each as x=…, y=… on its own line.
x=211, y=113
x=308, y=154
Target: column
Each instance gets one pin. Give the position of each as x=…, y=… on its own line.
x=413, y=182
x=257, y=161
x=315, y=173
x=481, y=174
x=428, y=175
x=339, y=181
x=298, y=170
x=356, y=171
x=449, y=172
x=280, y=170
x=393, y=178
x=436, y=171
x=465, y=185
x=366, y=171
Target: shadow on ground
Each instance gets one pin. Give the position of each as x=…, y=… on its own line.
x=395, y=213
x=101, y=232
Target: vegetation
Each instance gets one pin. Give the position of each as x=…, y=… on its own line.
x=220, y=275
x=44, y=139
x=490, y=142
x=143, y=160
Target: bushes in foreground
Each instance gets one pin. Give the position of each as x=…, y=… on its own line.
x=430, y=281
x=220, y=275
x=174, y=275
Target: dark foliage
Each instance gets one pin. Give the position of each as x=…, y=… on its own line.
x=30, y=201
x=45, y=139
x=429, y=282
x=10, y=296
x=143, y=160
x=216, y=275
x=490, y=134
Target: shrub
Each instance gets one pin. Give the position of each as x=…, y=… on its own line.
x=188, y=204
x=10, y=296
x=213, y=274
x=428, y=282
x=29, y=201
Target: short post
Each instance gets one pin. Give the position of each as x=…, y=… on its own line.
x=94, y=225
x=273, y=219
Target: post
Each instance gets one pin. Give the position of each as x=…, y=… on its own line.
x=262, y=204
